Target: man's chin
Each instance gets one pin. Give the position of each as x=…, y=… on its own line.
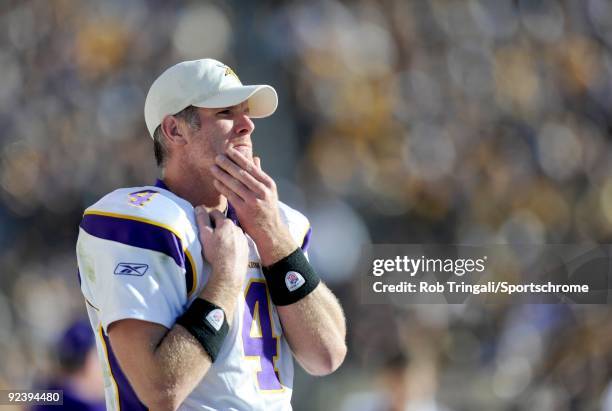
x=245, y=151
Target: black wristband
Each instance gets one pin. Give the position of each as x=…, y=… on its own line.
x=206, y=322
x=291, y=279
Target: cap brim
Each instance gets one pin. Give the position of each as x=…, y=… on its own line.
x=262, y=99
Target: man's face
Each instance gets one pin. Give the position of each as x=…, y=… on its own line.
x=220, y=129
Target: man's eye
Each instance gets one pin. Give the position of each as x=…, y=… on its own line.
x=224, y=112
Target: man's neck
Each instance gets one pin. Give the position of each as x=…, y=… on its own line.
x=196, y=192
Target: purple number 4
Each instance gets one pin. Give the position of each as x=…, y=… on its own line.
x=265, y=345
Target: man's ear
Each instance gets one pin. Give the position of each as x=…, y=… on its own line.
x=173, y=130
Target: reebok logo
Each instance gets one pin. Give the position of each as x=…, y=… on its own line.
x=131, y=269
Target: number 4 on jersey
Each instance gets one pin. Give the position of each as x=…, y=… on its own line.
x=262, y=343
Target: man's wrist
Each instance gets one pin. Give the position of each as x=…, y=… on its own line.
x=219, y=290
x=226, y=276
x=274, y=245
x=290, y=279
x=207, y=322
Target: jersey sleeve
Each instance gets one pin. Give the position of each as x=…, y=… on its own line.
x=298, y=224
x=131, y=267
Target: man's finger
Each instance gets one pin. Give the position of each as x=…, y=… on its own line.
x=203, y=221
x=232, y=181
x=266, y=179
x=244, y=163
x=229, y=194
x=242, y=172
x=202, y=216
x=216, y=217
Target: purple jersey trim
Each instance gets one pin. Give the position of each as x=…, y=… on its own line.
x=189, y=276
x=306, y=241
x=142, y=235
x=160, y=183
x=231, y=214
x=128, y=400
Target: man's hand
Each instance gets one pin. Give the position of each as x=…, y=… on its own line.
x=224, y=246
x=314, y=326
x=163, y=365
x=226, y=249
x=253, y=194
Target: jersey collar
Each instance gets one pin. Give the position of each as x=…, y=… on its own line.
x=160, y=183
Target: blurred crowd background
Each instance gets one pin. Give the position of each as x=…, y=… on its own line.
x=476, y=121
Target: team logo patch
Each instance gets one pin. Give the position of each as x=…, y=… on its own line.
x=131, y=269
x=294, y=280
x=140, y=198
x=215, y=318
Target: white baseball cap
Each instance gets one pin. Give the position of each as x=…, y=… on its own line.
x=203, y=83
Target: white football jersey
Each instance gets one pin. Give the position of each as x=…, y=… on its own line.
x=140, y=257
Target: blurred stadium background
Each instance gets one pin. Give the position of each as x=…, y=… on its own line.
x=483, y=121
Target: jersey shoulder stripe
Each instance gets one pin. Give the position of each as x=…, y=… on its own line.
x=153, y=222
x=137, y=233
x=298, y=224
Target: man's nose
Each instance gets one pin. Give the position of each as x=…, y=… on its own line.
x=244, y=124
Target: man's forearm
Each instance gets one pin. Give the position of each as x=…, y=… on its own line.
x=179, y=364
x=314, y=326
x=316, y=331
x=175, y=361
x=163, y=366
